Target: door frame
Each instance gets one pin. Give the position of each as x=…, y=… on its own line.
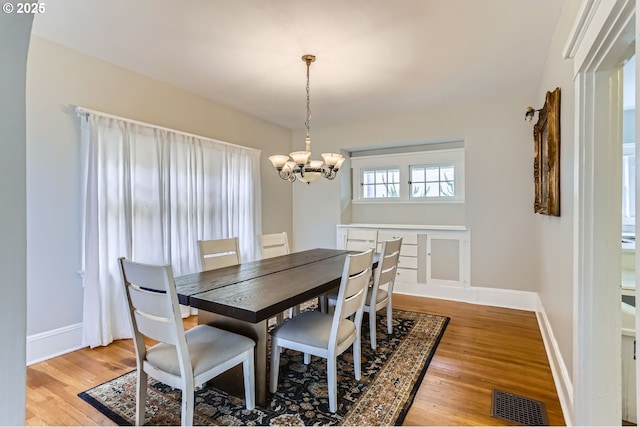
x=603, y=36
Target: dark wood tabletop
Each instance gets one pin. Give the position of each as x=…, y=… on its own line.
x=258, y=290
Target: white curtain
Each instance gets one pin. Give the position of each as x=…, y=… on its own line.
x=149, y=194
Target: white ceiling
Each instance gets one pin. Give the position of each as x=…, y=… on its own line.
x=373, y=56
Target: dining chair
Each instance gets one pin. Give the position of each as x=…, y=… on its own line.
x=180, y=359
x=354, y=240
x=273, y=245
x=361, y=240
x=325, y=335
x=219, y=253
x=380, y=293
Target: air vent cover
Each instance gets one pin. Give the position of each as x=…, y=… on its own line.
x=518, y=409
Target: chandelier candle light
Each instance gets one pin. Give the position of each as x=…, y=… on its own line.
x=298, y=164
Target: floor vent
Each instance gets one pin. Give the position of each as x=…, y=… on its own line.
x=518, y=409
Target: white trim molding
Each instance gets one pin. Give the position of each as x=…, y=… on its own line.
x=495, y=297
x=601, y=40
x=561, y=375
x=56, y=342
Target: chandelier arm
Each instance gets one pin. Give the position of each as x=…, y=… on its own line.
x=328, y=172
x=285, y=174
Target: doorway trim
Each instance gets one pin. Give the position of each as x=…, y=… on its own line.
x=602, y=37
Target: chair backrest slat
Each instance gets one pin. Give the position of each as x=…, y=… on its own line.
x=219, y=253
x=157, y=328
x=272, y=245
x=355, y=288
x=151, y=303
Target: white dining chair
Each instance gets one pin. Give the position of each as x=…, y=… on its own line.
x=361, y=240
x=180, y=359
x=219, y=253
x=380, y=293
x=325, y=335
x=273, y=245
x=354, y=240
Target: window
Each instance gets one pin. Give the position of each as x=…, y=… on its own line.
x=628, y=190
x=629, y=155
x=432, y=181
x=434, y=176
x=380, y=183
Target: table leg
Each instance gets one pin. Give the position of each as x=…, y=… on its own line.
x=257, y=332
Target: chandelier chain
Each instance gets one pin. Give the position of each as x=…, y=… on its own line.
x=306, y=123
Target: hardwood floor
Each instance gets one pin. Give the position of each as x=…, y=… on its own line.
x=482, y=348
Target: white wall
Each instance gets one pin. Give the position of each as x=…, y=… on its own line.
x=499, y=184
x=15, y=31
x=555, y=234
x=59, y=79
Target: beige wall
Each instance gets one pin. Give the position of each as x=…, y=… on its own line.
x=499, y=185
x=58, y=79
x=555, y=234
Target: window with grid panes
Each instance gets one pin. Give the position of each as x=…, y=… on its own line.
x=380, y=183
x=432, y=176
x=432, y=181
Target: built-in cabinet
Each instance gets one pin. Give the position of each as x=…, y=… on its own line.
x=430, y=255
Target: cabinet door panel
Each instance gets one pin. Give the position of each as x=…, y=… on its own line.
x=409, y=250
x=407, y=275
x=408, y=262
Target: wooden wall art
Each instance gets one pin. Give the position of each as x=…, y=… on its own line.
x=546, y=168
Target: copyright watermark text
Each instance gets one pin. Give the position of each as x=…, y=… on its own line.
x=30, y=8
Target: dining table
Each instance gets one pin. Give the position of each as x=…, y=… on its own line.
x=242, y=298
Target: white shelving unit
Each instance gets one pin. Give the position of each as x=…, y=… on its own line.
x=430, y=254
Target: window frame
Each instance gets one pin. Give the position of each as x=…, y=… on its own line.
x=375, y=170
x=404, y=161
x=439, y=181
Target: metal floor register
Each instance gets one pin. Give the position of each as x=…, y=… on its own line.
x=518, y=409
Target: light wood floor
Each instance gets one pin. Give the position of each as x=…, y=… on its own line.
x=482, y=348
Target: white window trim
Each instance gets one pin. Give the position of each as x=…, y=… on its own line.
x=403, y=161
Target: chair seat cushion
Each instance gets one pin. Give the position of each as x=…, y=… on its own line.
x=208, y=347
x=313, y=329
x=381, y=295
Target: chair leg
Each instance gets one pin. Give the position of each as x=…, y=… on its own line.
x=187, y=406
x=332, y=382
x=389, y=318
x=357, y=358
x=275, y=366
x=249, y=381
x=322, y=303
x=141, y=397
x=372, y=327
x=307, y=358
x=331, y=306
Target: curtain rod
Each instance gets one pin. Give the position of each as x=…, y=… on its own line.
x=83, y=111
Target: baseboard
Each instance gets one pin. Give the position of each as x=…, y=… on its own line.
x=53, y=343
x=561, y=376
x=506, y=298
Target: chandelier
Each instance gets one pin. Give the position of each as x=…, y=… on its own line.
x=298, y=165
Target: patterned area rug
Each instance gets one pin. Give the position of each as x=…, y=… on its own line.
x=391, y=376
